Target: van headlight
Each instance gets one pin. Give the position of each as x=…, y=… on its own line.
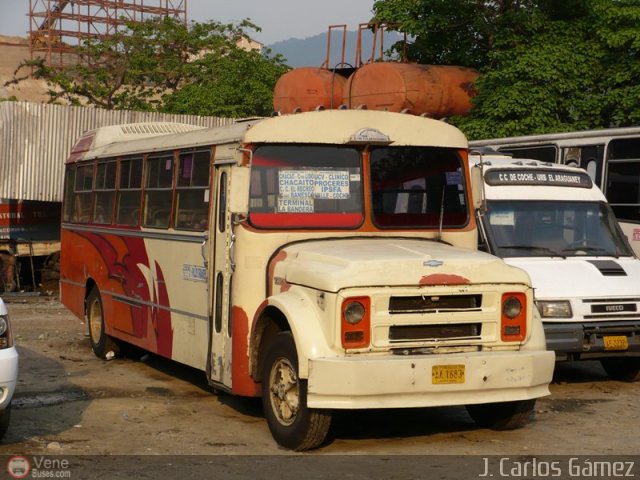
x=6, y=340
x=554, y=308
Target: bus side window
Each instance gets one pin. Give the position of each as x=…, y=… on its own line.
x=129, y=191
x=192, y=191
x=158, y=191
x=105, y=192
x=83, y=194
x=69, y=183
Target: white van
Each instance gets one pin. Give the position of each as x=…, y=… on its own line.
x=8, y=368
x=553, y=222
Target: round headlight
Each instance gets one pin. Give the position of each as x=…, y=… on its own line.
x=512, y=307
x=354, y=312
x=3, y=325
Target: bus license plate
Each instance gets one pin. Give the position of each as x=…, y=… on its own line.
x=615, y=343
x=444, y=374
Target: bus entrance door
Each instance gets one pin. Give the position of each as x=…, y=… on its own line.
x=220, y=274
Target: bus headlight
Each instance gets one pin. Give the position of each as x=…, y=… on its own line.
x=513, y=319
x=554, y=309
x=354, y=312
x=511, y=307
x=356, y=322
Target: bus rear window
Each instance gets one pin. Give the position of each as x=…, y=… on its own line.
x=418, y=187
x=306, y=186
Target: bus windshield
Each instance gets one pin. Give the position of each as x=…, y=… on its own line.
x=306, y=186
x=417, y=187
x=543, y=228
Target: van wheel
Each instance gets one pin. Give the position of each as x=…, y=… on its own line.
x=284, y=399
x=102, y=345
x=5, y=416
x=623, y=369
x=502, y=415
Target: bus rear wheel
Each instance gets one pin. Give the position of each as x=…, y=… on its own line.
x=284, y=399
x=502, y=415
x=102, y=345
x=624, y=369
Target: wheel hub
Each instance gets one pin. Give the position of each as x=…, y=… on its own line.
x=284, y=391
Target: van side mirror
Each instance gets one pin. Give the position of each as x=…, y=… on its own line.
x=239, y=191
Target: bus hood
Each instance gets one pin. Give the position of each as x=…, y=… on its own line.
x=585, y=277
x=331, y=265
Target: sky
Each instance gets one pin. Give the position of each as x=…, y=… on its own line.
x=279, y=19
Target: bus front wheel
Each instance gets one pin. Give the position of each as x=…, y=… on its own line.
x=502, y=415
x=102, y=345
x=284, y=399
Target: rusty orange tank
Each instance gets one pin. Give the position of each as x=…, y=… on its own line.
x=433, y=90
x=307, y=88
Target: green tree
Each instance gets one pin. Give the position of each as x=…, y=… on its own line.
x=165, y=65
x=546, y=66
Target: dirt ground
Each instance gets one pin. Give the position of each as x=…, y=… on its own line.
x=70, y=402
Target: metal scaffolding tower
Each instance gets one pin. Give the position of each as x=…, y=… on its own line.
x=56, y=27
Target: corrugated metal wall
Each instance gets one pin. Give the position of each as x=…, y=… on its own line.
x=35, y=140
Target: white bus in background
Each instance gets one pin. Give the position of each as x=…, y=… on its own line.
x=610, y=156
x=553, y=221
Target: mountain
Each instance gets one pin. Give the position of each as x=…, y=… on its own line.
x=312, y=51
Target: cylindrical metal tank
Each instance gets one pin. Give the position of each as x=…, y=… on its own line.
x=433, y=90
x=307, y=88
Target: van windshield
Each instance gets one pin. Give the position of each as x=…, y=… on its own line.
x=544, y=228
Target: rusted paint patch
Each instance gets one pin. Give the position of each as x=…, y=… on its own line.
x=242, y=383
x=281, y=256
x=444, y=279
x=284, y=286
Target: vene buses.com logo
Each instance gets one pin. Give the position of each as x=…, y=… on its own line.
x=18, y=467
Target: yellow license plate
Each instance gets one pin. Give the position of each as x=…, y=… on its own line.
x=615, y=343
x=444, y=374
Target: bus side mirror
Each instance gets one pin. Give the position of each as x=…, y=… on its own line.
x=477, y=187
x=239, y=192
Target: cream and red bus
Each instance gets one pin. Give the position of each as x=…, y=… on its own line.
x=324, y=260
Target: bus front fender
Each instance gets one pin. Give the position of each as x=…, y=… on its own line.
x=303, y=317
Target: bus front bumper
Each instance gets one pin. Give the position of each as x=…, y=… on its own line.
x=593, y=340
x=393, y=381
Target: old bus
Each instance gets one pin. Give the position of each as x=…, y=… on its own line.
x=610, y=156
x=553, y=222
x=325, y=260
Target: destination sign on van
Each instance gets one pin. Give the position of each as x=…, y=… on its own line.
x=543, y=177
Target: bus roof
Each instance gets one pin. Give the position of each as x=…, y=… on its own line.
x=330, y=127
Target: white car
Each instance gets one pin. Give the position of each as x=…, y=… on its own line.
x=8, y=368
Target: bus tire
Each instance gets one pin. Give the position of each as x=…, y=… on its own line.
x=503, y=415
x=624, y=369
x=284, y=399
x=103, y=346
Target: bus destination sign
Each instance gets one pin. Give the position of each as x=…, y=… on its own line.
x=543, y=177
